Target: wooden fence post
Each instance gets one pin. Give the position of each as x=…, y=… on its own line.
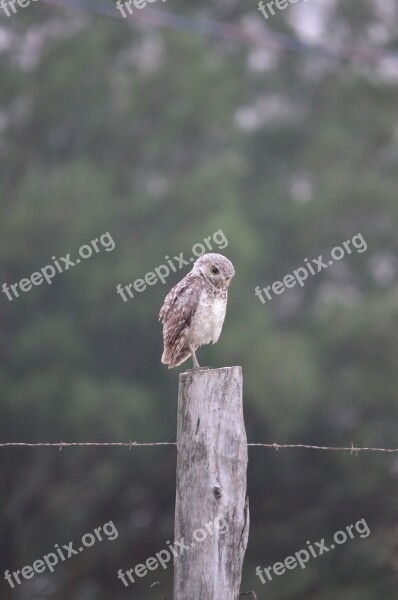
x=212, y=514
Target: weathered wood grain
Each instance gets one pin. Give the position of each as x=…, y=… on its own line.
x=212, y=516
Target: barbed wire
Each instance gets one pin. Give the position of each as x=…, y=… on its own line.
x=274, y=446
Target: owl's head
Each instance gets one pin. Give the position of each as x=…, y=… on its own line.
x=216, y=268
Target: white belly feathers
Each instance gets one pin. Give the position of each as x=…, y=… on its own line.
x=208, y=320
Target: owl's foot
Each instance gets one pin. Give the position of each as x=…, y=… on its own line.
x=196, y=365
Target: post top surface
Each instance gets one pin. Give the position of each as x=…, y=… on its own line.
x=208, y=372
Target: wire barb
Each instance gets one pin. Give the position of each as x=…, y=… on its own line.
x=161, y=589
x=354, y=449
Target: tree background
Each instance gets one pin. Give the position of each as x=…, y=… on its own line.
x=163, y=137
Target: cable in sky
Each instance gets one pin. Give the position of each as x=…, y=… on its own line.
x=227, y=31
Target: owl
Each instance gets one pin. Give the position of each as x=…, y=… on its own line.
x=194, y=310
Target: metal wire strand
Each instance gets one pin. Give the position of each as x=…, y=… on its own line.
x=61, y=445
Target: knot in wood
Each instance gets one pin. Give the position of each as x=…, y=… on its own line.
x=217, y=493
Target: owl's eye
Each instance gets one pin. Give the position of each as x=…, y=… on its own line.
x=214, y=271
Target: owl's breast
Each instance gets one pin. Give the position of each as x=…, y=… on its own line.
x=208, y=319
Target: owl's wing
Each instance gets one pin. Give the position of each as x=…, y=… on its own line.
x=177, y=311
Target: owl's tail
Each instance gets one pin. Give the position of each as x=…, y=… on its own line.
x=173, y=361
x=165, y=357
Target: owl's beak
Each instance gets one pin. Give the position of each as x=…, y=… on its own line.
x=226, y=281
